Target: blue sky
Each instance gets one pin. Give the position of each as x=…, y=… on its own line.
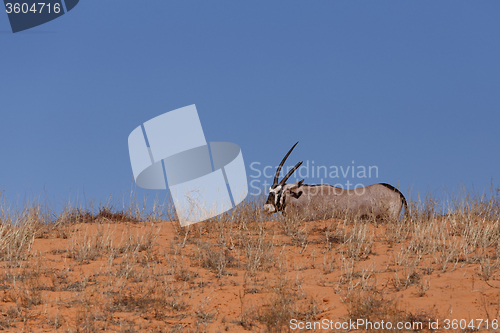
x=409, y=87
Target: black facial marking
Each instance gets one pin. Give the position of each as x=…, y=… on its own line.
x=274, y=199
x=270, y=198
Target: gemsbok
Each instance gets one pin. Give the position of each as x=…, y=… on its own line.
x=379, y=201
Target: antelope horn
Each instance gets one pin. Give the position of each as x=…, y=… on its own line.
x=275, y=182
x=290, y=173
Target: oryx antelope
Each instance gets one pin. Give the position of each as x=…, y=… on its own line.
x=320, y=201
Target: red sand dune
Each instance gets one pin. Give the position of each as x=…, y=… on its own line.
x=241, y=277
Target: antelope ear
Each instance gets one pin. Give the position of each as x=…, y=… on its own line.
x=300, y=183
x=289, y=187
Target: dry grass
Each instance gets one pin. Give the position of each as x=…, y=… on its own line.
x=126, y=270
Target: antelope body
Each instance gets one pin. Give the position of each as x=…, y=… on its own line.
x=323, y=201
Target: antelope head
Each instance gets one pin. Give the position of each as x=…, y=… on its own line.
x=279, y=191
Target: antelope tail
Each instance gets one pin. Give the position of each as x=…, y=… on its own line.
x=403, y=199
